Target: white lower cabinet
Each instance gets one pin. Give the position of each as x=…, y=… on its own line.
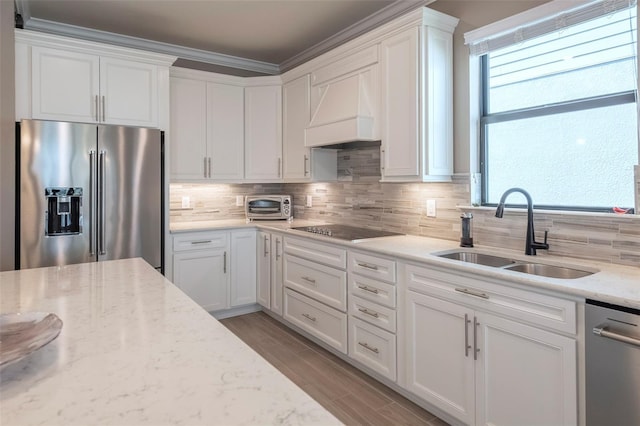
x=373, y=347
x=216, y=269
x=484, y=369
x=270, y=271
x=321, y=321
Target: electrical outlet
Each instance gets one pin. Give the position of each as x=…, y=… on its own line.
x=309, y=201
x=239, y=201
x=186, y=202
x=431, y=208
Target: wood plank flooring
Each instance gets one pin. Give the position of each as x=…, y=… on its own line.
x=350, y=395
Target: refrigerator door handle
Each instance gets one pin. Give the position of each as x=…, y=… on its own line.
x=102, y=201
x=92, y=202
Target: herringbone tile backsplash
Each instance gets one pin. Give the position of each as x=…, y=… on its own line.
x=358, y=198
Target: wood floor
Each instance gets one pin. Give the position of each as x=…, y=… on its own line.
x=350, y=395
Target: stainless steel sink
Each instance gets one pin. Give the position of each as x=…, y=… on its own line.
x=540, y=269
x=479, y=258
x=550, y=271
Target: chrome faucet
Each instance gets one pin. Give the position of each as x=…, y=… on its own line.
x=531, y=245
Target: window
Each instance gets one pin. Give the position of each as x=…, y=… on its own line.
x=559, y=111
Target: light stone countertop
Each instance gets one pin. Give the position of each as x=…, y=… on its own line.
x=612, y=283
x=135, y=350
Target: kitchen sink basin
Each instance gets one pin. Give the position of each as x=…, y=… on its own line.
x=550, y=271
x=540, y=269
x=479, y=258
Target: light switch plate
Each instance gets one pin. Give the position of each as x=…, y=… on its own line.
x=239, y=201
x=309, y=201
x=186, y=202
x=431, y=208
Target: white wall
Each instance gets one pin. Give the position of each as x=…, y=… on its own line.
x=7, y=136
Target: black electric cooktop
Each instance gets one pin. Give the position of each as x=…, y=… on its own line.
x=345, y=232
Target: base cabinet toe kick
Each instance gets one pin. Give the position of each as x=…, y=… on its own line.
x=512, y=357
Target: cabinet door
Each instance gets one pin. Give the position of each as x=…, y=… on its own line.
x=243, y=267
x=524, y=375
x=263, y=132
x=225, y=131
x=277, y=276
x=439, y=359
x=188, y=129
x=65, y=85
x=202, y=276
x=129, y=93
x=263, y=260
x=296, y=115
x=400, y=108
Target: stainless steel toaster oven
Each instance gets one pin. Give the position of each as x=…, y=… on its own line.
x=268, y=207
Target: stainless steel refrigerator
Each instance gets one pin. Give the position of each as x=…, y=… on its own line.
x=88, y=193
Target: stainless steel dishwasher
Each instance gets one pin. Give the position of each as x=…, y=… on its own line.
x=612, y=364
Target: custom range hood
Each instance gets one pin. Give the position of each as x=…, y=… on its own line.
x=343, y=110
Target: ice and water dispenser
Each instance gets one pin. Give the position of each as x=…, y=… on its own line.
x=64, y=211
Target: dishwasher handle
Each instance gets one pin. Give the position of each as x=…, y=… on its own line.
x=603, y=331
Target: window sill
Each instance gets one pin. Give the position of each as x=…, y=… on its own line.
x=523, y=212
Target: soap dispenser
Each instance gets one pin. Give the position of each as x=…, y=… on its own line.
x=466, y=230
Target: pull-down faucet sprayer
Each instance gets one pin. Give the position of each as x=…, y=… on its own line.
x=531, y=245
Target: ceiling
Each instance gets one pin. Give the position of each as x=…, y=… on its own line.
x=258, y=36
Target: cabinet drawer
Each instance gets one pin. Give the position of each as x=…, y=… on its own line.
x=372, y=266
x=328, y=285
x=322, y=253
x=199, y=241
x=376, y=291
x=373, y=313
x=373, y=347
x=323, y=322
x=524, y=306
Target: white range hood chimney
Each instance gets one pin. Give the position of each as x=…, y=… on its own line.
x=344, y=111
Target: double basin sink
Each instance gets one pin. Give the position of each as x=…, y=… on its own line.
x=541, y=269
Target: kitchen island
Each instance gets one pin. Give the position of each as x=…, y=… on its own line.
x=135, y=350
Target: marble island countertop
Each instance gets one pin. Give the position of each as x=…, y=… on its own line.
x=135, y=350
x=612, y=283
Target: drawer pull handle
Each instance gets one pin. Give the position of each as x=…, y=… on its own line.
x=311, y=280
x=370, y=290
x=309, y=317
x=200, y=242
x=366, y=346
x=472, y=293
x=366, y=265
x=368, y=312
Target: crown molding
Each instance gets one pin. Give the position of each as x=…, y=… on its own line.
x=390, y=12
x=74, y=31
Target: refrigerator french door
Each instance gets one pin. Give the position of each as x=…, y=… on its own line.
x=88, y=193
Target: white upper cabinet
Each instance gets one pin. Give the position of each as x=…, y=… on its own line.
x=296, y=113
x=417, y=101
x=59, y=78
x=207, y=128
x=263, y=133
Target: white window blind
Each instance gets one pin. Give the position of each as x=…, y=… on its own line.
x=548, y=18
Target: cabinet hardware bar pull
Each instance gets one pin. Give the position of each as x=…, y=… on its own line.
x=382, y=159
x=309, y=317
x=472, y=293
x=366, y=265
x=370, y=290
x=224, y=263
x=475, y=339
x=209, y=164
x=201, y=242
x=279, y=167
x=277, y=249
x=602, y=331
x=97, y=109
x=266, y=251
x=366, y=346
x=103, y=110
x=466, y=335
x=306, y=171
x=205, y=166
x=368, y=312
x=311, y=280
